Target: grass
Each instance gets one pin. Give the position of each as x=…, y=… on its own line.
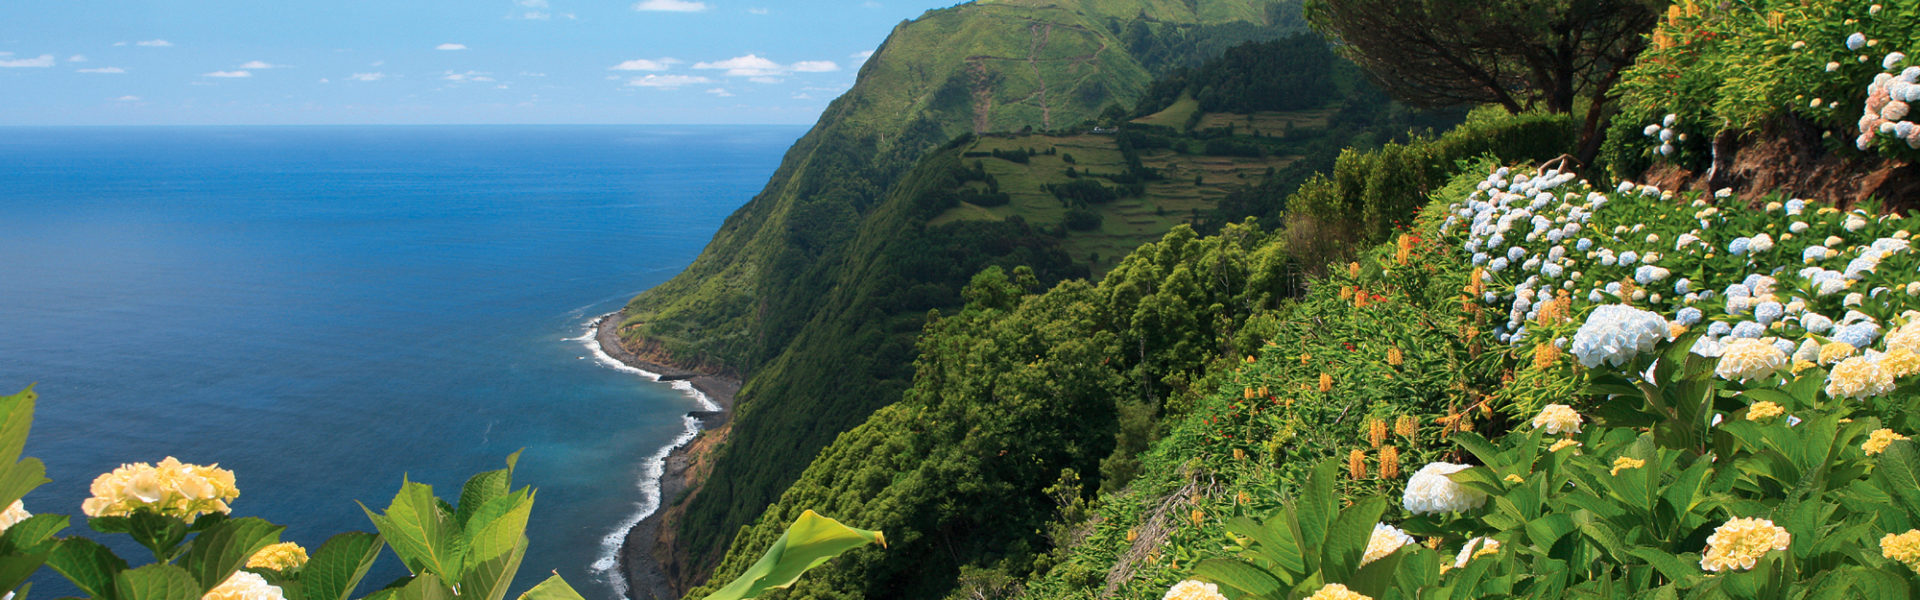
x=1126, y=223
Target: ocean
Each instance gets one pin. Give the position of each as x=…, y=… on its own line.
x=329, y=310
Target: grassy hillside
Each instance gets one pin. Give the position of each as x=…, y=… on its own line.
x=815, y=289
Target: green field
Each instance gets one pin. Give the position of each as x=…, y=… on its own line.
x=1125, y=223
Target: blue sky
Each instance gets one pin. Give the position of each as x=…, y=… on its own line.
x=180, y=62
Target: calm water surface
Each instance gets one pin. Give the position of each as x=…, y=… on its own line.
x=328, y=310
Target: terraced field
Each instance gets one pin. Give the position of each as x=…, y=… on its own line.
x=1193, y=184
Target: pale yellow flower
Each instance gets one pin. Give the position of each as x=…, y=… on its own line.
x=1563, y=444
x=1906, y=337
x=1859, y=377
x=1385, y=539
x=1878, y=441
x=1557, y=419
x=1335, y=591
x=1748, y=359
x=284, y=556
x=243, y=585
x=1834, y=352
x=14, y=514
x=1764, y=410
x=1623, y=463
x=1740, y=542
x=1900, y=362
x=170, y=488
x=1903, y=547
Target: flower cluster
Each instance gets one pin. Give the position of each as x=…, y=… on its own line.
x=1385, y=539
x=243, y=585
x=1193, y=590
x=1904, y=547
x=1878, y=441
x=1614, y=334
x=1665, y=133
x=1557, y=419
x=284, y=556
x=1430, y=491
x=1740, y=542
x=14, y=514
x=170, y=488
x=1889, y=101
x=1748, y=359
x=1335, y=591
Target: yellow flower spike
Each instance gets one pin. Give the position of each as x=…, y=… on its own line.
x=1353, y=270
x=1133, y=534
x=1512, y=478
x=1624, y=463
x=1394, y=358
x=1357, y=464
x=1878, y=441
x=1406, y=426
x=1376, y=431
x=1390, y=462
x=1544, y=355
x=1326, y=382
x=1198, y=516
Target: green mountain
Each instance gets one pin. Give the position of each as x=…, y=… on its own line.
x=816, y=289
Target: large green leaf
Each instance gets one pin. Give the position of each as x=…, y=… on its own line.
x=218, y=552
x=498, y=528
x=808, y=542
x=159, y=533
x=426, y=586
x=157, y=582
x=422, y=533
x=1245, y=579
x=554, y=588
x=1347, y=540
x=489, y=579
x=35, y=534
x=89, y=565
x=16, y=417
x=1314, y=510
x=336, y=569
x=483, y=487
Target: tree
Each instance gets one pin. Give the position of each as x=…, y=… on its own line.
x=1520, y=54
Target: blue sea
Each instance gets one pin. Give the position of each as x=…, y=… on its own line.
x=329, y=310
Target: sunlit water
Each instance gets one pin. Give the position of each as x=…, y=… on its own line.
x=328, y=310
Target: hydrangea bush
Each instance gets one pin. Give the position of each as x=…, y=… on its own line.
x=1743, y=386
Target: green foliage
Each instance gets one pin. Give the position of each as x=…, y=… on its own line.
x=1746, y=67
x=810, y=541
x=1292, y=73
x=1310, y=543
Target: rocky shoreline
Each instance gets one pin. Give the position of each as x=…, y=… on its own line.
x=645, y=577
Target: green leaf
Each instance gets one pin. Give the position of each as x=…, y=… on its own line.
x=89, y=565
x=218, y=552
x=156, y=582
x=1314, y=510
x=161, y=534
x=33, y=535
x=16, y=417
x=16, y=479
x=488, y=580
x=1374, y=579
x=15, y=568
x=425, y=586
x=808, y=542
x=497, y=529
x=1669, y=566
x=554, y=588
x=423, y=534
x=1347, y=540
x=1248, y=580
x=483, y=487
x=336, y=569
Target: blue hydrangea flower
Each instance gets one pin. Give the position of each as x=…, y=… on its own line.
x=1816, y=323
x=1860, y=335
x=1614, y=334
x=1497, y=265
x=1768, y=312
x=1583, y=245
x=1719, y=329
x=1749, y=329
x=1628, y=258
x=1688, y=316
x=1739, y=245
x=1516, y=253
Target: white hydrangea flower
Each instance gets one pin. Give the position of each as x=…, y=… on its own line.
x=1430, y=491
x=1615, y=334
x=1385, y=539
x=1745, y=360
x=1476, y=547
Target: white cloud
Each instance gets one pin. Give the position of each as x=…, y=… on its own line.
x=750, y=65
x=467, y=76
x=721, y=92
x=77, y=58
x=128, y=99
x=532, y=74
x=377, y=63
x=803, y=96
x=229, y=74
x=119, y=44
x=450, y=46
x=367, y=76
x=154, y=43
x=255, y=64
x=325, y=80
x=862, y=55
x=532, y=3
x=641, y=64
x=670, y=5
x=44, y=60
x=757, y=11
x=667, y=81
x=814, y=66
x=103, y=70
x=870, y=4
x=767, y=80
x=534, y=15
